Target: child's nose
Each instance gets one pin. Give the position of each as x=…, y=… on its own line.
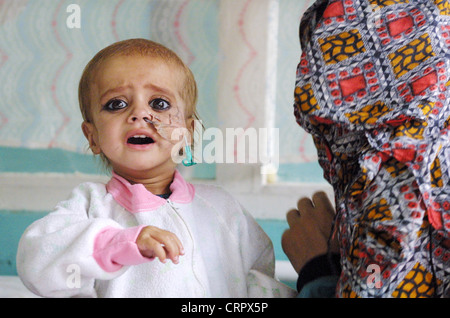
x=139, y=113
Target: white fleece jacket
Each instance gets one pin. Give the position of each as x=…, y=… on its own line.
x=86, y=247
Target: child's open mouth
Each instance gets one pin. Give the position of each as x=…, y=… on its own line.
x=140, y=140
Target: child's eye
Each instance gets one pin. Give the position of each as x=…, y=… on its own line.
x=115, y=104
x=159, y=104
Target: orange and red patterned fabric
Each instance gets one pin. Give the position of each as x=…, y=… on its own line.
x=373, y=90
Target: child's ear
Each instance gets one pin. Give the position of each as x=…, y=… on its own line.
x=90, y=133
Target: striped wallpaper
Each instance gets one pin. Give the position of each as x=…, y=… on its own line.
x=41, y=60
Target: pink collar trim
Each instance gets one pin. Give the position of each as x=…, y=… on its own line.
x=136, y=198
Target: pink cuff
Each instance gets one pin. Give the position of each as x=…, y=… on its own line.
x=115, y=248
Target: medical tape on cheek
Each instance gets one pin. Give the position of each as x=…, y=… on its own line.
x=162, y=130
x=166, y=127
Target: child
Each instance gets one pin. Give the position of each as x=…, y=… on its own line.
x=103, y=240
x=372, y=89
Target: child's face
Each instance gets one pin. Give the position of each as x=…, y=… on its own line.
x=126, y=90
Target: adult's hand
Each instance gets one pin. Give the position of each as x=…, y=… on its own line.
x=309, y=229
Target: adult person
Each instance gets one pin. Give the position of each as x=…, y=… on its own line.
x=372, y=90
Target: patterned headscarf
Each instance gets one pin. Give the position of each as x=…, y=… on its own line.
x=373, y=90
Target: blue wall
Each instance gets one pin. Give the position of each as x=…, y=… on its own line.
x=12, y=225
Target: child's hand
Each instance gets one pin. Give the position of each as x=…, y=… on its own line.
x=154, y=242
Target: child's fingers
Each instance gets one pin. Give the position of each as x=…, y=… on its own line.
x=150, y=247
x=159, y=251
x=172, y=246
x=170, y=243
x=176, y=242
x=154, y=242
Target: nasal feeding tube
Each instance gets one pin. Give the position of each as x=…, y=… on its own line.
x=160, y=128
